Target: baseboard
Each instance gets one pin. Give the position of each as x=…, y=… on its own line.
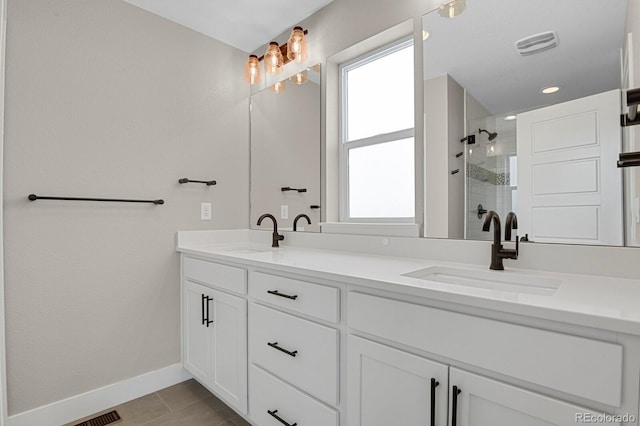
x=79, y=406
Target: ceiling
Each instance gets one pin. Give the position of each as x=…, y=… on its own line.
x=477, y=50
x=245, y=24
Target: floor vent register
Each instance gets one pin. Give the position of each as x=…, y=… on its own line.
x=102, y=420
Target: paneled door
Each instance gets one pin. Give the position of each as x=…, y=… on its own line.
x=480, y=401
x=569, y=185
x=387, y=386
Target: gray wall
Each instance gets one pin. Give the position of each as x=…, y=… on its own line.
x=339, y=25
x=285, y=151
x=106, y=100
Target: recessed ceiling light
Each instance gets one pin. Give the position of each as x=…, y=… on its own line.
x=510, y=117
x=551, y=89
x=425, y=34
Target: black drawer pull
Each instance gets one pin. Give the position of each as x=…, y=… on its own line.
x=434, y=385
x=280, y=419
x=454, y=406
x=276, y=293
x=274, y=345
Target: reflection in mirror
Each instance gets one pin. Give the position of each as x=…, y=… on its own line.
x=285, y=151
x=527, y=104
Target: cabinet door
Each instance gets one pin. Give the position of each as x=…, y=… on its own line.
x=386, y=386
x=485, y=402
x=229, y=349
x=196, y=344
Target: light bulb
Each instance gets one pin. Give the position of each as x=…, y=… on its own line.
x=273, y=59
x=252, y=73
x=297, y=49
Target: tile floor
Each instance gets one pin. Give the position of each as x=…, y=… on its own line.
x=186, y=403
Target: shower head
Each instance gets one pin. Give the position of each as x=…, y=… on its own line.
x=492, y=135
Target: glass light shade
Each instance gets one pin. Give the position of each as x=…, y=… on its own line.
x=278, y=87
x=297, y=49
x=252, y=74
x=452, y=9
x=273, y=60
x=299, y=78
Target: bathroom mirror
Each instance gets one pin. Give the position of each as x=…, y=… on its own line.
x=525, y=96
x=285, y=151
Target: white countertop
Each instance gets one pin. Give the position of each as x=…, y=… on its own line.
x=601, y=302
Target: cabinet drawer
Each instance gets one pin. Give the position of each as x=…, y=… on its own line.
x=215, y=274
x=311, y=360
x=583, y=367
x=315, y=300
x=268, y=394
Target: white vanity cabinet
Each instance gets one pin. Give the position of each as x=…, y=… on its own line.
x=294, y=351
x=214, y=329
x=386, y=383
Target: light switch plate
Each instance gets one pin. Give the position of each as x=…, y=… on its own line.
x=284, y=211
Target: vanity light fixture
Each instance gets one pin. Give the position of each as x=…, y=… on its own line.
x=299, y=78
x=550, y=89
x=276, y=57
x=510, y=117
x=452, y=9
x=273, y=59
x=252, y=73
x=278, y=87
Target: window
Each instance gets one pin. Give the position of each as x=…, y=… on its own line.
x=377, y=136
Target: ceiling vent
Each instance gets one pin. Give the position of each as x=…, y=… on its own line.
x=537, y=43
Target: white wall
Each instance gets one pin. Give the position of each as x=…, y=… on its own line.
x=106, y=100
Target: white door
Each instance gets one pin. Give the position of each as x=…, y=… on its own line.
x=229, y=348
x=386, y=386
x=196, y=335
x=569, y=185
x=485, y=402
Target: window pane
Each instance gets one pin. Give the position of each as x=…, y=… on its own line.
x=380, y=96
x=381, y=180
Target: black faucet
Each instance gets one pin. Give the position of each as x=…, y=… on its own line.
x=295, y=221
x=498, y=253
x=276, y=237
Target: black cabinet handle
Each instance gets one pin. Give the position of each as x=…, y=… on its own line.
x=280, y=419
x=454, y=406
x=274, y=345
x=434, y=385
x=209, y=299
x=202, y=310
x=276, y=293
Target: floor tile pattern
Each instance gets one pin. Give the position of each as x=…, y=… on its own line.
x=187, y=403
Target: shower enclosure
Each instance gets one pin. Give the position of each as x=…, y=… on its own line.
x=490, y=172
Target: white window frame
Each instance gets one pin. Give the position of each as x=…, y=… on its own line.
x=345, y=145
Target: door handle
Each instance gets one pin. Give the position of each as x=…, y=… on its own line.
x=454, y=406
x=209, y=299
x=434, y=385
x=204, y=320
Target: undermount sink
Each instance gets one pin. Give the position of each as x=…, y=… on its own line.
x=508, y=281
x=245, y=249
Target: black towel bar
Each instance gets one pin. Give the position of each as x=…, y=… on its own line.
x=206, y=182
x=34, y=197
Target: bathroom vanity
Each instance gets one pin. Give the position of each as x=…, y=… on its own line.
x=319, y=337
